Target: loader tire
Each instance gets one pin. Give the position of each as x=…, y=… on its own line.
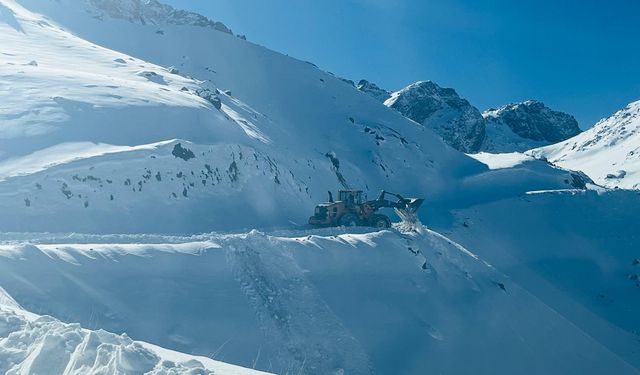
x=349, y=220
x=381, y=222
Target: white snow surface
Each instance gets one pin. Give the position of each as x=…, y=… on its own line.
x=38, y=345
x=113, y=124
x=270, y=134
x=293, y=301
x=500, y=161
x=609, y=152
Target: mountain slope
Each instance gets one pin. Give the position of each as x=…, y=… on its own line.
x=441, y=109
x=373, y=90
x=244, y=99
x=609, y=152
x=512, y=128
x=581, y=259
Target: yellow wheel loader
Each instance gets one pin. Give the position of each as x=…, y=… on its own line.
x=351, y=210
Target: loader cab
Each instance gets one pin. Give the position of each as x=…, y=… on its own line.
x=350, y=197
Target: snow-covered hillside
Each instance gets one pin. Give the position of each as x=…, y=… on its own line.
x=319, y=303
x=127, y=116
x=522, y=126
x=272, y=133
x=575, y=250
x=609, y=152
x=230, y=127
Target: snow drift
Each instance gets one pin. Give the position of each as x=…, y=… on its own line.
x=385, y=302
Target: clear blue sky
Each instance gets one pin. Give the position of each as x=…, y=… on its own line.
x=580, y=56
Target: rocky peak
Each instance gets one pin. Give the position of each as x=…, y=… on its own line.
x=441, y=109
x=535, y=121
x=374, y=90
x=153, y=12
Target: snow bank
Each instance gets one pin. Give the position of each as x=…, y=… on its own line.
x=31, y=344
x=313, y=302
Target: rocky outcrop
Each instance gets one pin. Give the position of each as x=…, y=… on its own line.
x=155, y=13
x=459, y=123
x=374, y=90
x=532, y=122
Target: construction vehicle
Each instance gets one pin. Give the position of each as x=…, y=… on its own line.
x=352, y=210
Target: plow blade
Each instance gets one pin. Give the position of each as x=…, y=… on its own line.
x=411, y=205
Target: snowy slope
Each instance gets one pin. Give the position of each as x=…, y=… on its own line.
x=582, y=260
x=64, y=89
x=523, y=126
x=609, y=152
x=318, y=303
x=33, y=344
x=113, y=124
x=286, y=132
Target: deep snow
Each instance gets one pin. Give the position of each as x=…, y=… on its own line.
x=115, y=125
x=38, y=345
x=326, y=302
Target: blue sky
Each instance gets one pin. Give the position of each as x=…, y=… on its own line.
x=580, y=56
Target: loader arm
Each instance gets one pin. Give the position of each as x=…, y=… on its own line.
x=405, y=204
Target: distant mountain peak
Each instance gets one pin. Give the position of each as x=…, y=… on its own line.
x=533, y=120
x=442, y=110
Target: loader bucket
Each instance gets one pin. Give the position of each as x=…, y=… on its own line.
x=411, y=205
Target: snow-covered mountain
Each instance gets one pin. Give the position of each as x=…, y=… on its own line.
x=523, y=126
x=441, y=109
x=126, y=116
x=266, y=131
x=512, y=128
x=609, y=152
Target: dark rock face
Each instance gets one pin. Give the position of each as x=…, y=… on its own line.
x=533, y=120
x=459, y=123
x=182, y=153
x=374, y=90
